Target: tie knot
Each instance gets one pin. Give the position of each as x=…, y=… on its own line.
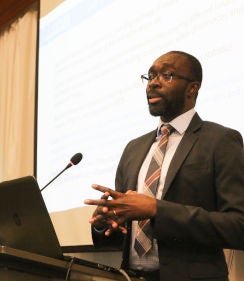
x=166, y=129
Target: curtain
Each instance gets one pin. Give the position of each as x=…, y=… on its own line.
x=17, y=95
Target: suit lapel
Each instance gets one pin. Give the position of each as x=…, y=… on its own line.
x=145, y=147
x=182, y=151
x=142, y=146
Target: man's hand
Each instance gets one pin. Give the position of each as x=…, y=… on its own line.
x=113, y=213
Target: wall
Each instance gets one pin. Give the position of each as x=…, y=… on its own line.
x=47, y=6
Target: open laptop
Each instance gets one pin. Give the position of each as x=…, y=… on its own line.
x=25, y=223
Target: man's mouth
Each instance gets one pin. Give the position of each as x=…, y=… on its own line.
x=154, y=100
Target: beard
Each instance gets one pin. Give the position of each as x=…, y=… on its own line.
x=167, y=109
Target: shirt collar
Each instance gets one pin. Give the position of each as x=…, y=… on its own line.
x=180, y=123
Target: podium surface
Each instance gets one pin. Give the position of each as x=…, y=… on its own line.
x=19, y=265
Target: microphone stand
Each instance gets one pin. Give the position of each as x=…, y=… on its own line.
x=55, y=178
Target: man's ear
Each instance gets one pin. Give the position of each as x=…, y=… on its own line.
x=193, y=89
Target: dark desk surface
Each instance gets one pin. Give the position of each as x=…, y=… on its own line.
x=21, y=260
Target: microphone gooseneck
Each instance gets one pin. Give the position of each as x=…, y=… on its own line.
x=75, y=159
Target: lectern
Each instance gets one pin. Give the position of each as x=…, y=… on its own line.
x=19, y=265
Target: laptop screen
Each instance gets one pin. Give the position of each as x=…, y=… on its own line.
x=24, y=219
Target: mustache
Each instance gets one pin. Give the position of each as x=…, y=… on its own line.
x=155, y=94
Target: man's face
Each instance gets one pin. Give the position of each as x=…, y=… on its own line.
x=168, y=95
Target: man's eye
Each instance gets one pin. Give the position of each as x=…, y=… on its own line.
x=151, y=76
x=166, y=75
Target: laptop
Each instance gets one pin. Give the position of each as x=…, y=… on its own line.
x=25, y=223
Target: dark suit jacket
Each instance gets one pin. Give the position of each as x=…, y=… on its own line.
x=201, y=211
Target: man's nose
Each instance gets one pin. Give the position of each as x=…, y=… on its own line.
x=154, y=83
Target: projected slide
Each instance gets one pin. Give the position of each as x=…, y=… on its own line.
x=90, y=96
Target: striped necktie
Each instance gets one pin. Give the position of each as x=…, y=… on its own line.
x=143, y=239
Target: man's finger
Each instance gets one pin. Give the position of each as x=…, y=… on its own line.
x=98, y=202
x=104, y=189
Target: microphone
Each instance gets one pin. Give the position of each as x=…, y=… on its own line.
x=75, y=159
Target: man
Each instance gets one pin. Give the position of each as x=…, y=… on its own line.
x=198, y=207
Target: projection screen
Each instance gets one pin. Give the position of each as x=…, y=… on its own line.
x=90, y=96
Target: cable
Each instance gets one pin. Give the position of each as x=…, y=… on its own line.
x=123, y=272
x=69, y=269
x=67, y=277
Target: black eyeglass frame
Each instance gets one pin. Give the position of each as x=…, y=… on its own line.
x=167, y=76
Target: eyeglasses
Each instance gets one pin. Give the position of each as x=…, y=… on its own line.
x=167, y=77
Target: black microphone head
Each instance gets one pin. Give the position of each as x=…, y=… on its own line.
x=76, y=158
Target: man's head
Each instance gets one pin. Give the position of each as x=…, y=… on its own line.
x=173, y=83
